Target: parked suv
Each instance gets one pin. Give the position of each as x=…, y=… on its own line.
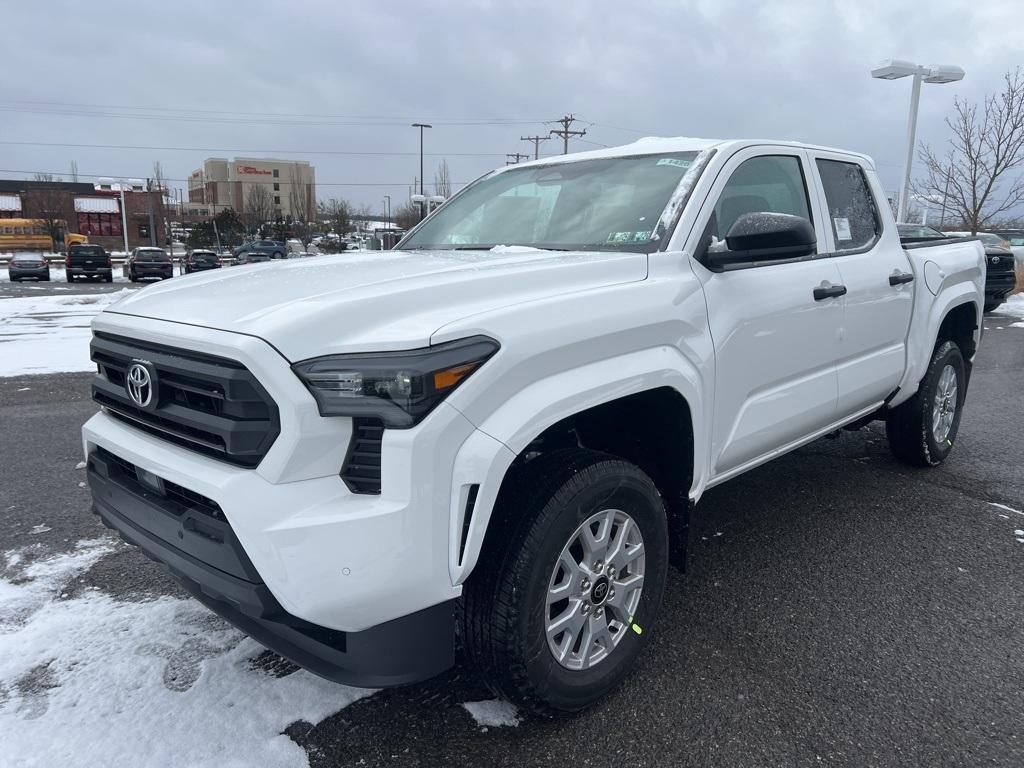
x=148, y=262
x=1000, y=271
x=199, y=260
x=498, y=431
x=87, y=260
x=261, y=250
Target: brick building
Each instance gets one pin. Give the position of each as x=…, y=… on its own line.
x=88, y=209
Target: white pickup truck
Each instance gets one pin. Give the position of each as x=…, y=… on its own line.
x=490, y=439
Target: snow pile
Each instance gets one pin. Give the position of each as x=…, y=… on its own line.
x=49, y=334
x=1014, y=307
x=94, y=681
x=493, y=713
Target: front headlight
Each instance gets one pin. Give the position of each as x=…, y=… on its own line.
x=400, y=388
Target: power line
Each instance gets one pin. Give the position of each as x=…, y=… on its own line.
x=69, y=112
x=565, y=133
x=250, y=151
x=262, y=113
x=282, y=182
x=536, y=143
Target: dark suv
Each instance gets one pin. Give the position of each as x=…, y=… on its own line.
x=86, y=260
x=200, y=259
x=148, y=262
x=261, y=250
x=1000, y=272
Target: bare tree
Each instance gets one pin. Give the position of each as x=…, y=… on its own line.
x=45, y=202
x=407, y=216
x=443, y=181
x=987, y=143
x=258, y=208
x=74, y=171
x=337, y=213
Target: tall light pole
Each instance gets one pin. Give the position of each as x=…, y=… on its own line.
x=421, y=126
x=387, y=210
x=894, y=69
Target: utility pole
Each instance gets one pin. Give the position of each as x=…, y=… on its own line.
x=565, y=133
x=152, y=219
x=536, y=143
x=421, y=126
x=515, y=158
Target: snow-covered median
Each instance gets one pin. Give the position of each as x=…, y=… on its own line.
x=93, y=681
x=49, y=334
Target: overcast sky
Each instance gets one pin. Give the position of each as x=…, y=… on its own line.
x=256, y=78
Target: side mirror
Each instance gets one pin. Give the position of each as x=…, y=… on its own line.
x=765, y=236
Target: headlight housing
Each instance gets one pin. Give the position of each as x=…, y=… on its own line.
x=400, y=388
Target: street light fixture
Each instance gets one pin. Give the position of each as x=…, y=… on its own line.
x=894, y=69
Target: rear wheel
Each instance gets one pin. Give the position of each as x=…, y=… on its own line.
x=71, y=278
x=569, y=582
x=922, y=430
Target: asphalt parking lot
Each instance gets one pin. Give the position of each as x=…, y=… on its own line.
x=839, y=608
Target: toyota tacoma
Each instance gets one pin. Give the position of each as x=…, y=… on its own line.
x=489, y=440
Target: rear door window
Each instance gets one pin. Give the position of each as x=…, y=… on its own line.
x=852, y=211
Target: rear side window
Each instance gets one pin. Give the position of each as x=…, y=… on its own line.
x=852, y=211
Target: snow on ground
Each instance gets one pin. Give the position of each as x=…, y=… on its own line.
x=1014, y=307
x=49, y=334
x=92, y=681
x=493, y=713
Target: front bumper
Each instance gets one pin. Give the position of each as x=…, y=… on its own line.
x=199, y=547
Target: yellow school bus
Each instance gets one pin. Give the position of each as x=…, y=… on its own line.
x=32, y=235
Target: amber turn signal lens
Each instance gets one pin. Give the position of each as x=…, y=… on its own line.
x=449, y=377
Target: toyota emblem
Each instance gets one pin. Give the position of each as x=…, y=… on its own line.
x=139, y=385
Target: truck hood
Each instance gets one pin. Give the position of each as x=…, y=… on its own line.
x=376, y=301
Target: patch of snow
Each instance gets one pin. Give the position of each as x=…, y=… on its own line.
x=95, y=681
x=80, y=465
x=24, y=389
x=49, y=334
x=1018, y=532
x=493, y=713
x=514, y=249
x=40, y=528
x=1003, y=506
x=1013, y=306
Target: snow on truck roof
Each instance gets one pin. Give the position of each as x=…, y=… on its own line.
x=652, y=145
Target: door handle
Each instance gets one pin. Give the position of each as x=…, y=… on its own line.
x=899, y=278
x=832, y=292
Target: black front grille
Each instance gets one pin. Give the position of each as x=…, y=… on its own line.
x=361, y=471
x=209, y=404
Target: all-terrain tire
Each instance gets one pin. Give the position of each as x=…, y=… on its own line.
x=504, y=609
x=909, y=425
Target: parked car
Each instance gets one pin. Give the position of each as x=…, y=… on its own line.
x=1000, y=272
x=28, y=265
x=89, y=261
x=148, y=262
x=269, y=248
x=199, y=260
x=1015, y=237
x=498, y=432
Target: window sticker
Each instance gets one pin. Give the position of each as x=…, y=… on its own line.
x=638, y=236
x=674, y=161
x=842, y=225
x=619, y=237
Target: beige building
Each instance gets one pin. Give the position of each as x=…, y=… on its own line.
x=278, y=188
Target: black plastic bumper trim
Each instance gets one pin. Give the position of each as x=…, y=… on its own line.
x=398, y=652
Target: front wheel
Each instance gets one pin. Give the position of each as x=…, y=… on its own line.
x=569, y=582
x=922, y=430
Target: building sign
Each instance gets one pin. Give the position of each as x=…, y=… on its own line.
x=252, y=170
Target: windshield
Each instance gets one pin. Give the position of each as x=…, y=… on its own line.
x=990, y=239
x=607, y=204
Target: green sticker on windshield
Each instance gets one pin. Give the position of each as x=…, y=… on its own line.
x=674, y=161
x=619, y=237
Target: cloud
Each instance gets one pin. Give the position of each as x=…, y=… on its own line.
x=795, y=70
